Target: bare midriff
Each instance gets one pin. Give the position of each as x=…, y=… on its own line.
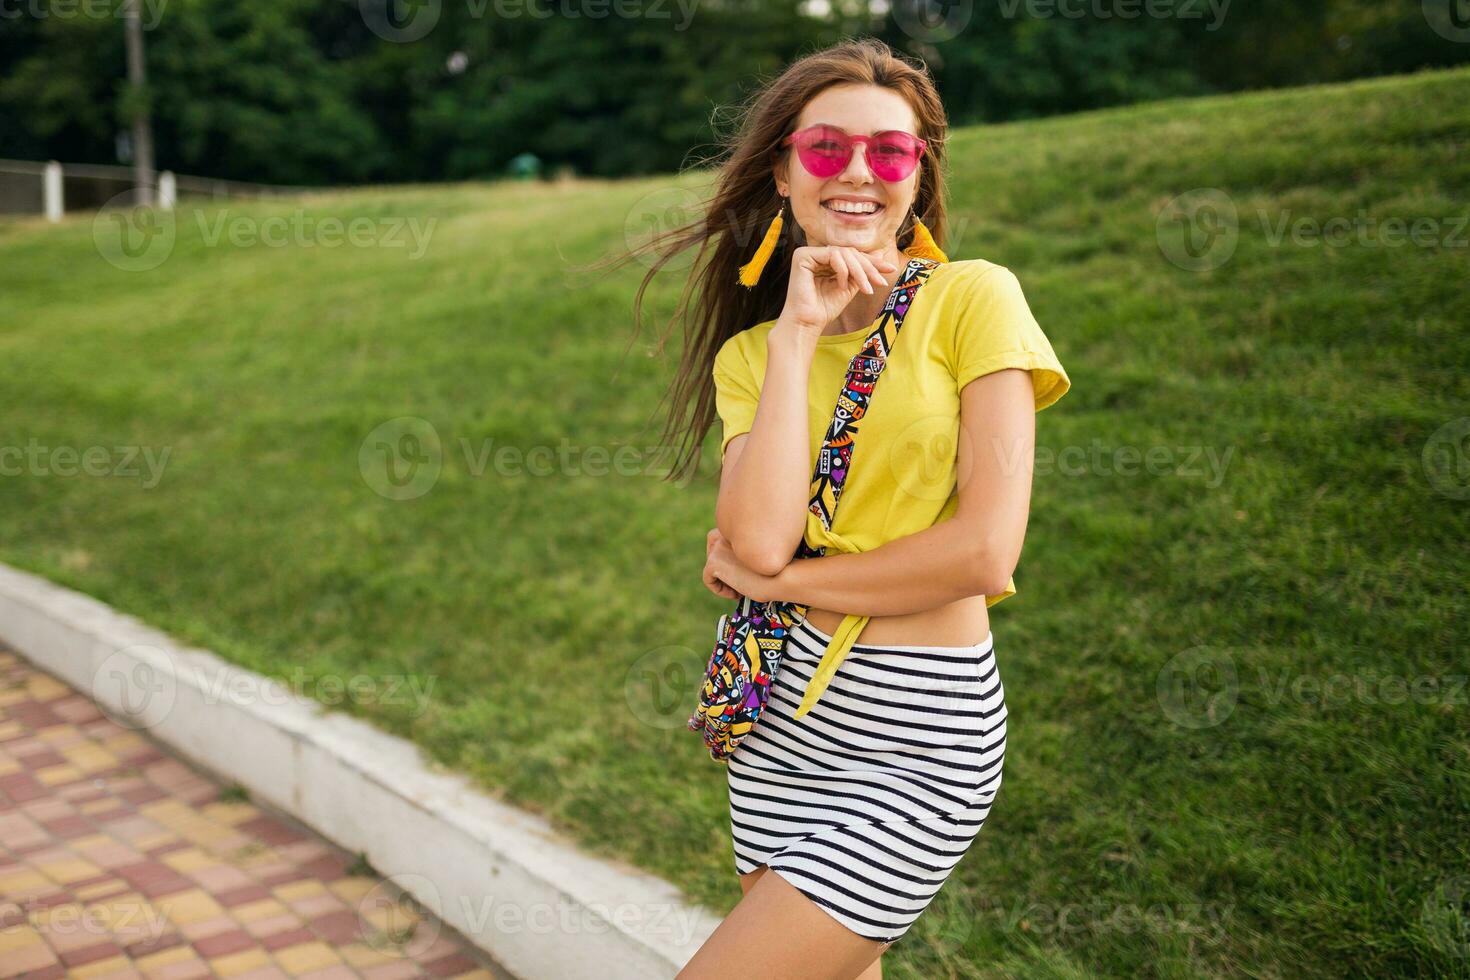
x=962, y=623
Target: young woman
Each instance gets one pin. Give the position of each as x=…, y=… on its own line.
x=853, y=798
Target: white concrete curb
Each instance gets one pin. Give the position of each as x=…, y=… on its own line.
x=504, y=878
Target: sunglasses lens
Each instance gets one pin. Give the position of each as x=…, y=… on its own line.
x=824, y=151
x=893, y=158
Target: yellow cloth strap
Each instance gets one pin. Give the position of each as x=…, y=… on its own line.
x=842, y=641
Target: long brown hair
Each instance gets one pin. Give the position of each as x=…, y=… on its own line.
x=742, y=205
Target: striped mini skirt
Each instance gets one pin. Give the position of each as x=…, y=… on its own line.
x=868, y=801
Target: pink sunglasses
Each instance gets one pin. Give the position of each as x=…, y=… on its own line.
x=826, y=150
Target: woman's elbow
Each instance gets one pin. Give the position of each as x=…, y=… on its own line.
x=760, y=559
x=989, y=582
x=752, y=544
x=990, y=572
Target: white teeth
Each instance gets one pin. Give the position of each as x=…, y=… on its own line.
x=851, y=207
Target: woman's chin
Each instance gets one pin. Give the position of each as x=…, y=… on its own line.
x=862, y=239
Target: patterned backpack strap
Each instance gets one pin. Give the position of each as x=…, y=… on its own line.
x=834, y=460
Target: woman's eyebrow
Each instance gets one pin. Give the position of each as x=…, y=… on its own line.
x=871, y=132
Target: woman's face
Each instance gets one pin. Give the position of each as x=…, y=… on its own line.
x=862, y=110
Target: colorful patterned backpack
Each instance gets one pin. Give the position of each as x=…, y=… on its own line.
x=750, y=641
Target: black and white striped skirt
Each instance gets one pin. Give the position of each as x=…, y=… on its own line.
x=867, y=802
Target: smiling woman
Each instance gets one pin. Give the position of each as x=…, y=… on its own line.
x=871, y=714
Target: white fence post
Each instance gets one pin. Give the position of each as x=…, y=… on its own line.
x=51, y=183
x=168, y=190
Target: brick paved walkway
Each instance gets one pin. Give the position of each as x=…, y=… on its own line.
x=117, y=860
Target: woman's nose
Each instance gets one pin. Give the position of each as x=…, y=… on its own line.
x=854, y=168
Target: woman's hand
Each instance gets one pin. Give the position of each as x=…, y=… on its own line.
x=713, y=584
x=726, y=576
x=825, y=278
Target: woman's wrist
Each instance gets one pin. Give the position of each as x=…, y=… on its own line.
x=792, y=338
x=789, y=583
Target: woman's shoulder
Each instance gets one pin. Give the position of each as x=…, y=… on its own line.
x=967, y=272
x=952, y=287
x=972, y=284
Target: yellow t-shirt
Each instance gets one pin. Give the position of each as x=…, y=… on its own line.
x=968, y=319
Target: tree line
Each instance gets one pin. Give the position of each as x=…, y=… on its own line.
x=349, y=91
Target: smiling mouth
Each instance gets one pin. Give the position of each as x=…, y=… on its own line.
x=853, y=212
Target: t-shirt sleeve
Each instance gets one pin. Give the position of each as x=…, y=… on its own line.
x=736, y=393
x=994, y=329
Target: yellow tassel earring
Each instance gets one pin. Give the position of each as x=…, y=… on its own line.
x=923, y=245
x=750, y=272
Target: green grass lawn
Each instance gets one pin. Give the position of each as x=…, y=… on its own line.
x=1236, y=664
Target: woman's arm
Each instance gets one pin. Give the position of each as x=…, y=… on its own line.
x=974, y=553
x=761, y=509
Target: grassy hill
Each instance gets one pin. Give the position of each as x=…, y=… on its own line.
x=1236, y=664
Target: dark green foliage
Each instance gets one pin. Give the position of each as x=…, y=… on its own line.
x=308, y=92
